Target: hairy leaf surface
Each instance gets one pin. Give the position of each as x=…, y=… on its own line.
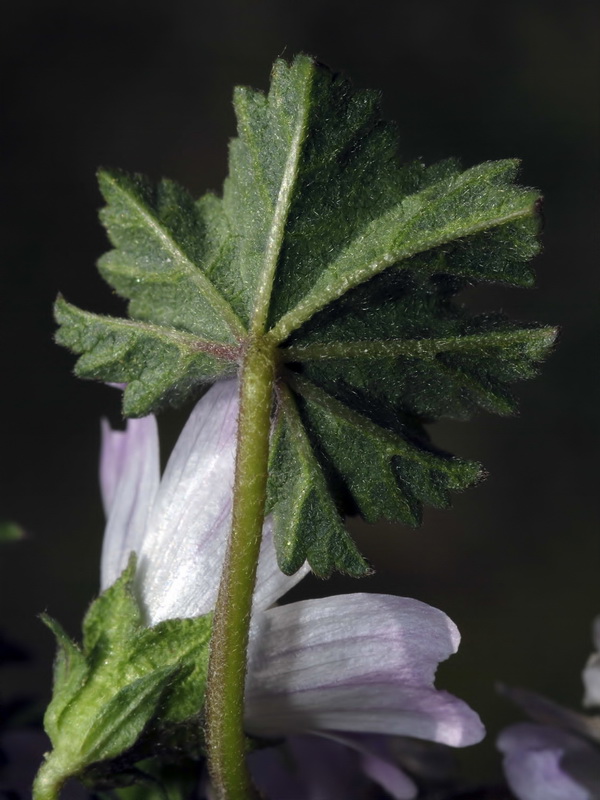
x=350, y=263
x=126, y=679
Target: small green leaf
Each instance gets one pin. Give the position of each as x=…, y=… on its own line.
x=189, y=640
x=122, y=718
x=129, y=680
x=113, y=620
x=70, y=674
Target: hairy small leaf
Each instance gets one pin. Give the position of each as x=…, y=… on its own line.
x=70, y=673
x=113, y=619
x=127, y=681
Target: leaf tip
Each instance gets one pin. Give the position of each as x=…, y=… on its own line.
x=60, y=305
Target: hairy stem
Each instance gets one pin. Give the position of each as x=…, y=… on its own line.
x=48, y=782
x=227, y=665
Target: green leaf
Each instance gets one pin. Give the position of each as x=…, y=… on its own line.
x=189, y=640
x=312, y=164
x=165, y=249
x=124, y=694
x=119, y=722
x=70, y=673
x=473, y=202
x=347, y=265
x=113, y=619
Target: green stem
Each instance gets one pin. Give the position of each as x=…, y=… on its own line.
x=48, y=782
x=226, y=743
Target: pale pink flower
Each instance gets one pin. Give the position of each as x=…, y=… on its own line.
x=342, y=667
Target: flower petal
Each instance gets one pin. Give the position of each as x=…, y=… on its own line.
x=547, y=712
x=129, y=475
x=544, y=763
x=180, y=558
x=308, y=768
x=362, y=663
x=377, y=762
x=591, y=681
x=397, y=784
x=271, y=582
x=591, y=672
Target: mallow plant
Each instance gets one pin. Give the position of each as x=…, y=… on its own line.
x=319, y=297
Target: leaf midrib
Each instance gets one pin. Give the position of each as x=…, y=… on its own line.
x=420, y=348
x=172, y=335
x=281, y=211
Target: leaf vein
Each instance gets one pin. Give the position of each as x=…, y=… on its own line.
x=320, y=297
x=205, y=285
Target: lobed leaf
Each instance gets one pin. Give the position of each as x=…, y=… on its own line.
x=126, y=681
x=454, y=208
x=313, y=162
x=350, y=263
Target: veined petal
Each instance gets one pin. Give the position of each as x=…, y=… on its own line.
x=271, y=582
x=544, y=763
x=129, y=476
x=180, y=558
x=181, y=555
x=361, y=663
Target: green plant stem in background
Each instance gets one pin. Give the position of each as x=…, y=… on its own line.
x=227, y=665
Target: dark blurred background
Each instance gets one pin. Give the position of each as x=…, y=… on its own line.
x=146, y=86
